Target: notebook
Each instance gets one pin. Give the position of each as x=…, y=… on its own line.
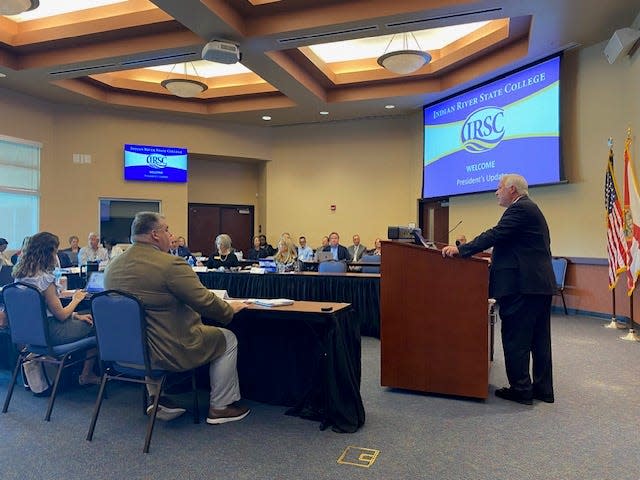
x=95, y=284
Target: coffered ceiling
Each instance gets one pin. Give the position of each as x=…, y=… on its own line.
x=299, y=57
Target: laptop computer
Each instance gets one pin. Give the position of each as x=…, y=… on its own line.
x=324, y=256
x=95, y=284
x=268, y=264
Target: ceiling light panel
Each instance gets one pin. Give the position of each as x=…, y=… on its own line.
x=49, y=8
x=372, y=47
x=207, y=69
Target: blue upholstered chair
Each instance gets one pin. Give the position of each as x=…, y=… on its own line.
x=560, y=270
x=27, y=315
x=332, y=266
x=371, y=259
x=121, y=330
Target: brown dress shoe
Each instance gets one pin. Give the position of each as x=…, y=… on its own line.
x=231, y=413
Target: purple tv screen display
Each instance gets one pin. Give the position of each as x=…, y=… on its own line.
x=508, y=125
x=155, y=164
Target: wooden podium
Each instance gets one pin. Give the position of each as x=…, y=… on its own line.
x=434, y=325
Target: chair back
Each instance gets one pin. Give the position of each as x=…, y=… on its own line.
x=121, y=328
x=370, y=259
x=27, y=314
x=332, y=266
x=559, y=270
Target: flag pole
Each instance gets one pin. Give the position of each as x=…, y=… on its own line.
x=631, y=335
x=613, y=323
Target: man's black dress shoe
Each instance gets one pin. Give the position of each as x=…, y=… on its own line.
x=514, y=396
x=543, y=398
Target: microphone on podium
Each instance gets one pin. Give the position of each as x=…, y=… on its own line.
x=456, y=226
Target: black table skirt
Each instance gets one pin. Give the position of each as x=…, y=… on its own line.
x=362, y=292
x=310, y=362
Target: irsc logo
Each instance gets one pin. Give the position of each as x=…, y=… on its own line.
x=156, y=161
x=483, y=130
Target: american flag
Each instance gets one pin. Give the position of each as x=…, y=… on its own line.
x=616, y=241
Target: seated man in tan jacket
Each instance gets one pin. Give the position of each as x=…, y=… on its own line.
x=174, y=300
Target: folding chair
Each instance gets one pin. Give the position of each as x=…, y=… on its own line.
x=332, y=266
x=372, y=260
x=560, y=270
x=29, y=326
x=121, y=330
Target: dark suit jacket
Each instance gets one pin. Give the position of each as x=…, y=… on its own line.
x=521, y=260
x=343, y=253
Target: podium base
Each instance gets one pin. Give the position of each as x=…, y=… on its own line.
x=631, y=336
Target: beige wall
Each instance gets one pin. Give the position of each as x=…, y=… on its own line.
x=70, y=192
x=599, y=101
x=369, y=169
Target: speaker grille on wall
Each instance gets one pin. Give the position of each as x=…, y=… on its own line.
x=621, y=43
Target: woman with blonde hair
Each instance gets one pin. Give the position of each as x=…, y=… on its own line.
x=35, y=267
x=286, y=258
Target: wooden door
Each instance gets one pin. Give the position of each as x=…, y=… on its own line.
x=207, y=221
x=434, y=220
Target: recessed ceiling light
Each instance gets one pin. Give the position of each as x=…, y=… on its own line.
x=266, y=118
x=389, y=107
x=2, y=75
x=324, y=112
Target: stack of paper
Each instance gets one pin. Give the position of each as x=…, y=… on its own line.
x=275, y=302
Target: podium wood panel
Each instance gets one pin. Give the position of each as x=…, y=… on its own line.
x=434, y=321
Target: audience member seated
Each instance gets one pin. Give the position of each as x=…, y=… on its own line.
x=257, y=252
x=338, y=251
x=4, y=260
x=377, y=250
x=267, y=248
x=323, y=243
x=357, y=249
x=305, y=252
x=225, y=257
x=16, y=256
x=180, y=251
x=94, y=252
x=73, y=250
x=175, y=300
x=182, y=242
x=460, y=240
x=113, y=250
x=35, y=268
x=286, y=259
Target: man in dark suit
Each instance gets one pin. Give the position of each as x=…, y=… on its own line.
x=179, y=250
x=522, y=281
x=339, y=252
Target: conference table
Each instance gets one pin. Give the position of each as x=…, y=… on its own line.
x=303, y=357
x=361, y=290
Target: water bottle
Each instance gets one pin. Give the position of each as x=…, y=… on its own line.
x=190, y=261
x=57, y=275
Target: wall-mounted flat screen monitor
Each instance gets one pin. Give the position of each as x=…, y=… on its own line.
x=148, y=163
x=508, y=125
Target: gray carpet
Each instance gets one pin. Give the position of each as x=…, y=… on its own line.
x=591, y=432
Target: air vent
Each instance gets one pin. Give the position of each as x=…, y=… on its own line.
x=443, y=17
x=162, y=58
x=82, y=69
x=312, y=36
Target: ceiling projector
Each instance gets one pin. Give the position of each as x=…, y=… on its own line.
x=221, y=52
